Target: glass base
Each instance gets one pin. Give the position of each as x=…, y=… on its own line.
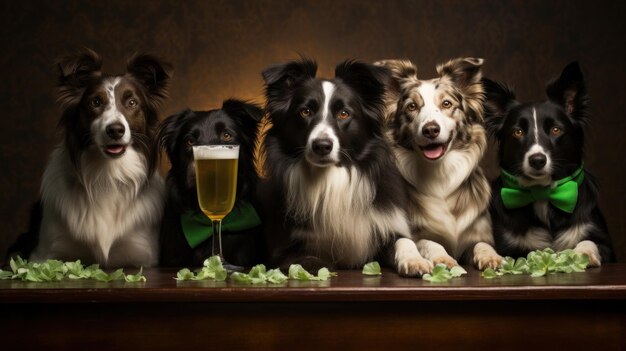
x=232, y=268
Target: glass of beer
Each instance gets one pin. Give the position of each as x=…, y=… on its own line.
x=216, y=183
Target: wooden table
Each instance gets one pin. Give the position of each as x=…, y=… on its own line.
x=351, y=311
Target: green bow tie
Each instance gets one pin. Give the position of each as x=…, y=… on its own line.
x=198, y=227
x=563, y=195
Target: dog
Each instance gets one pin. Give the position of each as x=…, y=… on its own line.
x=540, y=155
x=101, y=194
x=434, y=127
x=333, y=192
x=234, y=124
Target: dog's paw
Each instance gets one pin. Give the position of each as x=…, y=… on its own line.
x=590, y=249
x=487, y=260
x=415, y=267
x=445, y=259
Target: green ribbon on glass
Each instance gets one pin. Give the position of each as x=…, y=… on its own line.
x=198, y=227
x=563, y=195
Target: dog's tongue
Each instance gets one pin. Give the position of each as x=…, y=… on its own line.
x=115, y=149
x=433, y=152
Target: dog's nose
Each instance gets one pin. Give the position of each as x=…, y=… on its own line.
x=115, y=131
x=322, y=147
x=431, y=130
x=537, y=161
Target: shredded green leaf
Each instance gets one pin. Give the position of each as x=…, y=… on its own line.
x=259, y=275
x=457, y=271
x=441, y=274
x=5, y=274
x=490, y=273
x=540, y=263
x=372, y=268
x=275, y=276
x=134, y=278
x=212, y=269
x=297, y=272
x=55, y=270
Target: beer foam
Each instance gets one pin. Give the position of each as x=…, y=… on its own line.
x=214, y=152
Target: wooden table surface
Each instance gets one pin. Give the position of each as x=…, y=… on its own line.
x=607, y=282
x=578, y=311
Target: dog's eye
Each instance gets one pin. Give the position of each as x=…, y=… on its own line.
x=518, y=133
x=190, y=141
x=132, y=102
x=306, y=112
x=556, y=131
x=411, y=107
x=96, y=102
x=446, y=104
x=343, y=114
x=226, y=136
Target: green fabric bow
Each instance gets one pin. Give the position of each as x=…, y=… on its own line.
x=198, y=227
x=563, y=195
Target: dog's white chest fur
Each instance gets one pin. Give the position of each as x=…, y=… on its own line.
x=338, y=202
x=108, y=203
x=439, y=179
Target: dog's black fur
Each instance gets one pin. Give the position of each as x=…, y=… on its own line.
x=177, y=134
x=566, y=109
x=308, y=192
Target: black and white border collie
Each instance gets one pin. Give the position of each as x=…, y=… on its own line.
x=435, y=128
x=335, y=197
x=540, y=144
x=101, y=194
x=236, y=124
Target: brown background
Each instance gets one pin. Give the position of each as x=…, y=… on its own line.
x=218, y=49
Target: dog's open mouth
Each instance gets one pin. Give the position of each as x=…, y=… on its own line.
x=115, y=150
x=434, y=151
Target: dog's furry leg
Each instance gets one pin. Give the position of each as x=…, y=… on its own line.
x=139, y=249
x=408, y=260
x=485, y=256
x=589, y=248
x=478, y=241
x=436, y=253
x=433, y=221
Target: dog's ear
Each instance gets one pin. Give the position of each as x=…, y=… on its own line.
x=499, y=98
x=75, y=72
x=246, y=115
x=167, y=133
x=369, y=81
x=288, y=74
x=569, y=91
x=151, y=72
x=401, y=72
x=243, y=109
x=280, y=80
x=465, y=74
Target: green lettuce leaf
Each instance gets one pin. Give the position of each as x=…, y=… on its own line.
x=539, y=263
x=490, y=273
x=132, y=278
x=297, y=272
x=4, y=275
x=185, y=274
x=457, y=271
x=372, y=268
x=212, y=270
x=439, y=274
x=55, y=270
x=275, y=276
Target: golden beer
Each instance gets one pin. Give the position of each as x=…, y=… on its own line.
x=216, y=180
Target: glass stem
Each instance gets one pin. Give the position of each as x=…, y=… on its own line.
x=217, y=239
